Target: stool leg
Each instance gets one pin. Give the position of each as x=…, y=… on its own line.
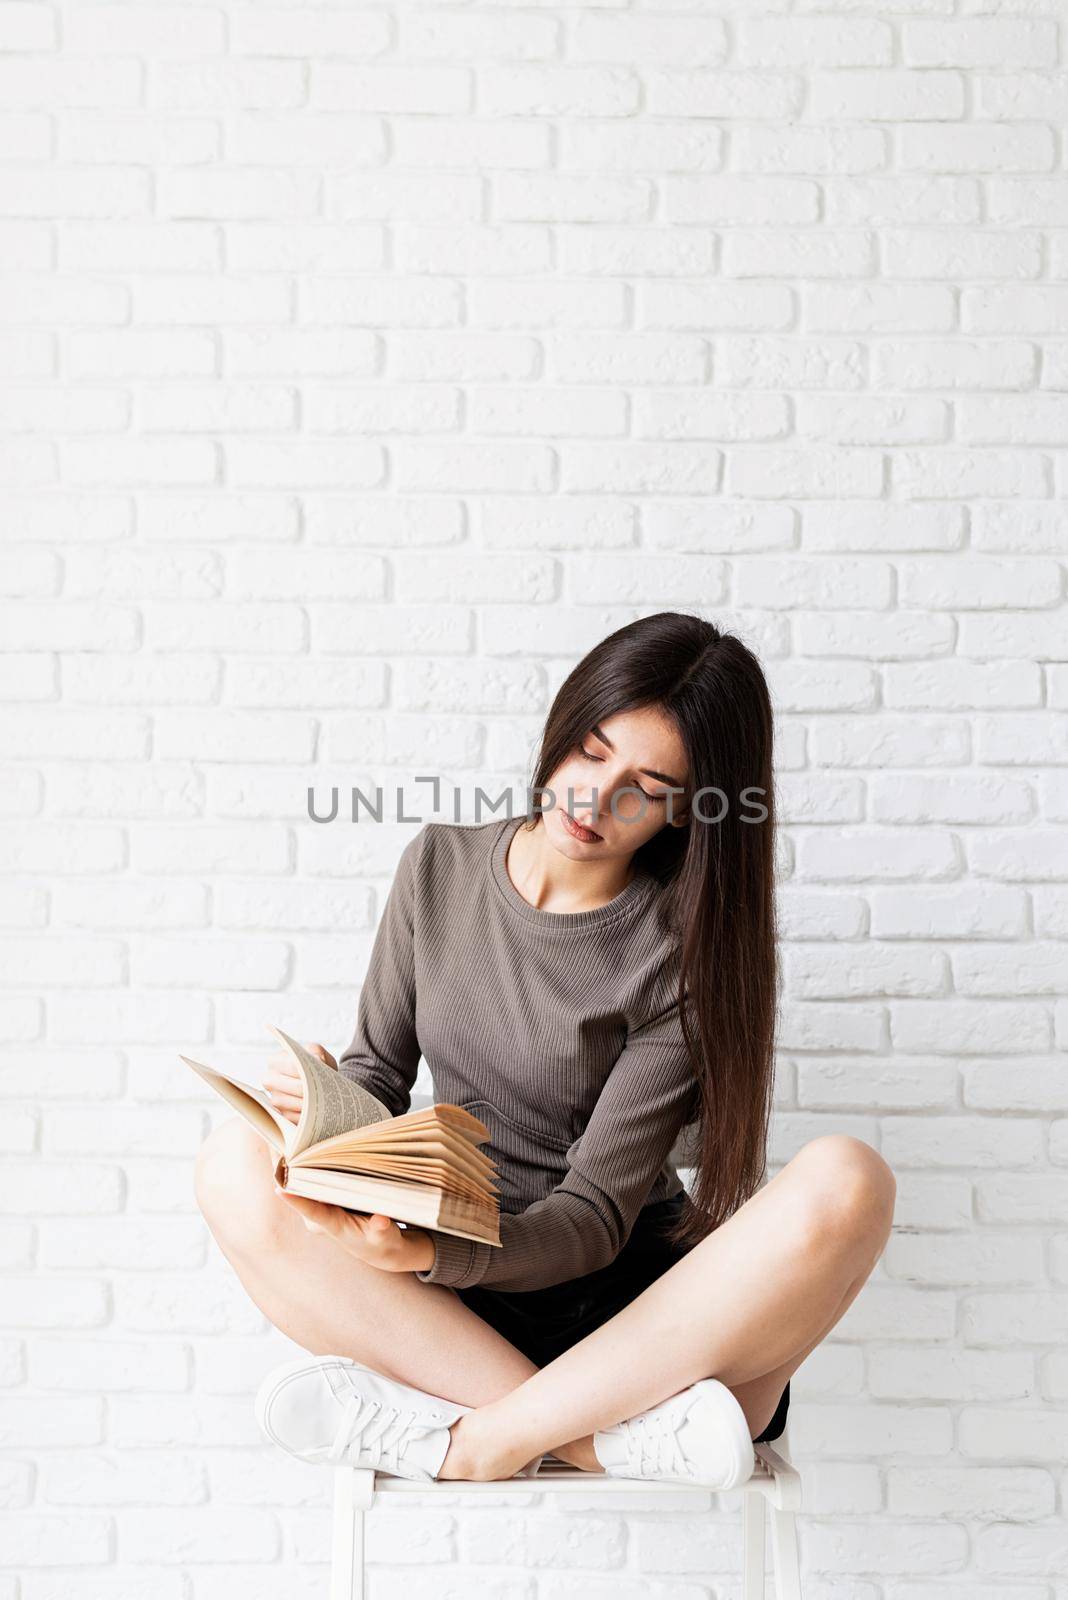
x=784, y=1550
x=753, y=1547
x=353, y=1493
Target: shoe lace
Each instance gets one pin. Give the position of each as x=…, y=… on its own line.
x=372, y=1434
x=652, y=1447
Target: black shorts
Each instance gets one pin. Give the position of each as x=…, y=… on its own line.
x=543, y=1323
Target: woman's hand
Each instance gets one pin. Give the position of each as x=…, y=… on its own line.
x=283, y=1085
x=374, y=1239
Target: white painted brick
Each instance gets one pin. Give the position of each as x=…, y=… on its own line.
x=188, y=1421
x=57, y=1302
x=933, y=1200
x=1022, y=1197
x=960, y=1141
x=945, y=1259
x=214, y=1534
x=113, y=1480
x=886, y=95
x=980, y=42
x=496, y=578
x=897, y=1374
x=13, y=1372
x=880, y=309
x=120, y=789
x=135, y=680
x=21, y=791
x=452, y=685
x=978, y=800
x=218, y=848
x=1037, y=969
x=816, y=973
x=41, y=962
x=225, y=625
x=868, y=1431
x=952, y=474
x=576, y=1587
x=291, y=907
x=30, y=1540
x=893, y=1083
x=185, y=963
x=17, y=1242
x=834, y=1489
x=1039, y=855
x=86, y=1017
x=860, y=420
x=105, y=1365
x=673, y=1545
x=892, y=1312
x=978, y=911
x=823, y=41
x=127, y=353
x=232, y=1366
x=312, y=684
x=1027, y=1552
x=58, y=1188
x=21, y=1019
x=138, y=575
x=987, y=1434
x=127, y=1243
x=509, y=1537
x=69, y=734
x=159, y=1185
x=931, y=1548
x=1022, y=1085
x=803, y=474
x=957, y=364
x=131, y=903
x=865, y=854
x=186, y=1303
x=148, y=1583
x=1014, y=1318
x=268, y=1478
x=429, y=630
x=120, y=1130
x=284, y=1582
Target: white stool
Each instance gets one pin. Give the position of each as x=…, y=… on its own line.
x=774, y=1482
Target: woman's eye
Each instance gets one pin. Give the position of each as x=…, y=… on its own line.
x=658, y=799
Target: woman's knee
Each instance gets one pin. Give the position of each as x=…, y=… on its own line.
x=846, y=1191
x=232, y=1181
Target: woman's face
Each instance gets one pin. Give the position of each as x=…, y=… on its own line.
x=631, y=751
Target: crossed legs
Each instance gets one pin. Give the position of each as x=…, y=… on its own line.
x=746, y=1305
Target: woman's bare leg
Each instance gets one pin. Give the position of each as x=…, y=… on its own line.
x=332, y=1304
x=752, y=1299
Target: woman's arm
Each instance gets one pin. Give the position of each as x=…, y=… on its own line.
x=585, y=1221
x=383, y=1054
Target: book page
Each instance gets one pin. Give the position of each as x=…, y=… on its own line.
x=251, y=1101
x=333, y=1104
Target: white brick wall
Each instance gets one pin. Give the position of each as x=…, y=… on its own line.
x=365, y=364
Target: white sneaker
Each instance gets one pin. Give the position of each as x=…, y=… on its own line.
x=697, y=1436
x=333, y=1409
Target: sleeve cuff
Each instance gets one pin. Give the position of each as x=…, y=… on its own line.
x=458, y=1263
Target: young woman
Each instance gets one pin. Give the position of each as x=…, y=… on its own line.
x=590, y=981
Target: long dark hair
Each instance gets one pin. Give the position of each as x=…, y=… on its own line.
x=717, y=878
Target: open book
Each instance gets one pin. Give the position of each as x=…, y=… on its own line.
x=347, y=1149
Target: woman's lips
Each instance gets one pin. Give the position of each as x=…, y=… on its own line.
x=577, y=831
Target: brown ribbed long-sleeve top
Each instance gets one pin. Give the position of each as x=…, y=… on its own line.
x=560, y=1030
